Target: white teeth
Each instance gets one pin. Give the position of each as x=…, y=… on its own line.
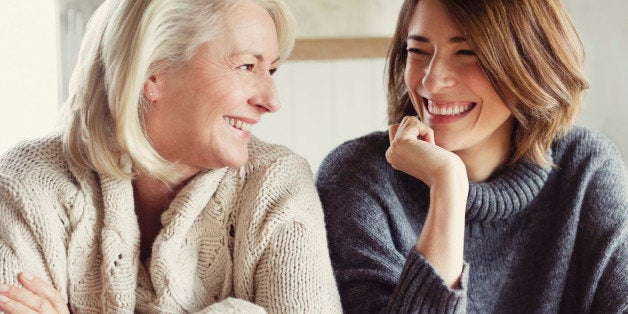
x=239, y=124
x=447, y=111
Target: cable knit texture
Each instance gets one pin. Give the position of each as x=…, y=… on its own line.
x=536, y=240
x=234, y=240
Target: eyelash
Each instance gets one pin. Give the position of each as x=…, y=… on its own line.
x=416, y=51
x=247, y=67
x=465, y=52
x=250, y=67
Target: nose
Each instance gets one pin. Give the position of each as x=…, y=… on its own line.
x=438, y=75
x=265, y=97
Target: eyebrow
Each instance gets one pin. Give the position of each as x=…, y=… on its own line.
x=423, y=39
x=259, y=57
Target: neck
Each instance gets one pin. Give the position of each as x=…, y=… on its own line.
x=152, y=197
x=491, y=155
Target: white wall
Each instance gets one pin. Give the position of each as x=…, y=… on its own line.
x=345, y=18
x=324, y=102
x=603, y=27
x=28, y=59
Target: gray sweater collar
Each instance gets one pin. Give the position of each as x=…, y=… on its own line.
x=507, y=194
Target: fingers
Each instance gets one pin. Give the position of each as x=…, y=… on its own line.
x=18, y=300
x=392, y=130
x=43, y=290
x=412, y=128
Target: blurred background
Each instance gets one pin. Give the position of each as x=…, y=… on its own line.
x=332, y=89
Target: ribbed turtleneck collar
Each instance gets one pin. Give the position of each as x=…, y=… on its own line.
x=507, y=193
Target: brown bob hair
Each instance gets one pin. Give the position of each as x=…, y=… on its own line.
x=529, y=51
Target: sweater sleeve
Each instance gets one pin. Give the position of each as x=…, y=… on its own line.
x=606, y=238
x=363, y=213
x=19, y=247
x=294, y=273
x=233, y=306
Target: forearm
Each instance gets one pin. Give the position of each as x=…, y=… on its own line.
x=441, y=241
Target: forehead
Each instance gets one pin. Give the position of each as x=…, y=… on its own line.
x=431, y=17
x=249, y=19
x=249, y=30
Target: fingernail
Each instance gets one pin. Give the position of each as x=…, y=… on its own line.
x=4, y=288
x=3, y=299
x=27, y=276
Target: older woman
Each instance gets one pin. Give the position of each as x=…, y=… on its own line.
x=489, y=201
x=155, y=198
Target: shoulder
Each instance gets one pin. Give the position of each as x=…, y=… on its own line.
x=363, y=156
x=590, y=167
x=30, y=157
x=35, y=162
x=276, y=180
x=272, y=157
x=581, y=145
x=36, y=170
x=368, y=147
x=590, y=163
x=355, y=179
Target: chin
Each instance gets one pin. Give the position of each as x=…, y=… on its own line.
x=449, y=143
x=237, y=160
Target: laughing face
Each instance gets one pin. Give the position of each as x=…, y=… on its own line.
x=448, y=88
x=201, y=115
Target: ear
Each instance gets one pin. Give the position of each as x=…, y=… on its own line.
x=151, y=89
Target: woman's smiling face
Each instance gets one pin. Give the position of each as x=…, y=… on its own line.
x=448, y=87
x=204, y=111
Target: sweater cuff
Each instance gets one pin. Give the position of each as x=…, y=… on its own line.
x=421, y=289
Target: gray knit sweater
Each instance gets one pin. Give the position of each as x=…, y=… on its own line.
x=536, y=240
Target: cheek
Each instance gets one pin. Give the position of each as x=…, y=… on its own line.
x=412, y=76
x=475, y=77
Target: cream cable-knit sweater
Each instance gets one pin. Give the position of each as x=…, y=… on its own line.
x=233, y=240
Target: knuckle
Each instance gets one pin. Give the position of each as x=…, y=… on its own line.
x=45, y=307
x=14, y=292
x=394, y=145
x=391, y=159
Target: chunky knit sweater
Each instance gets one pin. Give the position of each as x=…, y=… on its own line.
x=536, y=240
x=243, y=239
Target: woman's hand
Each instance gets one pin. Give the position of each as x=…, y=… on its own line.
x=422, y=159
x=37, y=296
x=413, y=151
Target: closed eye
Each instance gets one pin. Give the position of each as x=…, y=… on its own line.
x=417, y=51
x=466, y=52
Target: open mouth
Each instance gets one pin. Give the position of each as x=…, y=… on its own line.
x=447, y=108
x=238, y=124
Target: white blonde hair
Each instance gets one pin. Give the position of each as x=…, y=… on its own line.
x=127, y=41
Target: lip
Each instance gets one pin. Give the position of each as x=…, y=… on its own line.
x=244, y=119
x=244, y=135
x=443, y=119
